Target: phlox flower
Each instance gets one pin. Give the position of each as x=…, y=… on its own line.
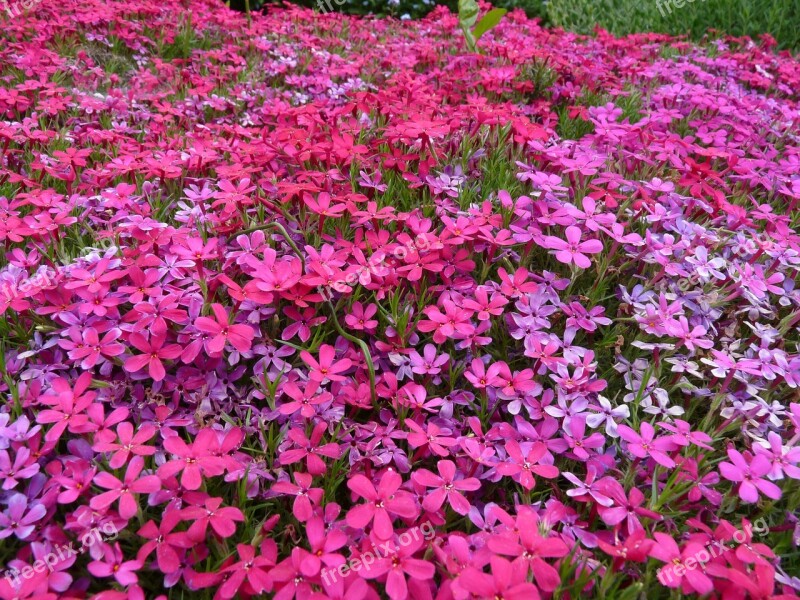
x=326, y=369
x=446, y=487
x=194, y=461
x=153, y=351
x=306, y=497
x=113, y=565
x=522, y=467
x=647, y=444
x=749, y=472
x=124, y=490
x=20, y=517
x=382, y=503
x=399, y=565
x=573, y=250
x=530, y=548
x=222, y=332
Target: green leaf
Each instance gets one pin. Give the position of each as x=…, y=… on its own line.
x=467, y=13
x=489, y=20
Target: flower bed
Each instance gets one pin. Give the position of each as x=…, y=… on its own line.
x=322, y=307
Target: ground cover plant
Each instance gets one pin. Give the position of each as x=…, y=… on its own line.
x=315, y=306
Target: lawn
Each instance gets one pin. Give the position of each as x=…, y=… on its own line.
x=303, y=305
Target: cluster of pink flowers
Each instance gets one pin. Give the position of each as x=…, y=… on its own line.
x=275, y=294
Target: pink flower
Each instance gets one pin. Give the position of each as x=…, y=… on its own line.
x=481, y=377
x=326, y=369
x=222, y=519
x=398, y=565
x=573, y=249
x=113, y=565
x=750, y=475
x=124, y=490
x=647, y=444
x=18, y=520
x=446, y=324
x=626, y=508
x=222, y=332
x=152, y=353
x=195, y=461
x=505, y=580
x=70, y=405
x=677, y=573
x=436, y=438
x=129, y=443
x=530, y=548
x=447, y=487
x=380, y=503
x=360, y=318
x=309, y=448
x=523, y=467
x=303, y=401
x=250, y=574
x=323, y=544
x=87, y=346
x=167, y=543
x=306, y=497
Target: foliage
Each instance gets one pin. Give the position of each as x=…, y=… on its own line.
x=778, y=18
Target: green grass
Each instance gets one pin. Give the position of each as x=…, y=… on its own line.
x=779, y=18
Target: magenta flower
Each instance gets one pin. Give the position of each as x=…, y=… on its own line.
x=303, y=401
x=195, y=460
x=18, y=519
x=70, y=403
x=310, y=449
x=399, y=565
x=114, y=565
x=306, y=497
x=647, y=445
x=381, y=503
x=22, y=467
x=446, y=324
x=749, y=471
x=326, y=369
x=573, y=250
x=222, y=332
x=428, y=363
x=530, y=548
x=222, y=519
x=361, y=319
x=678, y=571
x=124, y=490
x=153, y=351
x=129, y=443
x=436, y=438
x=323, y=544
x=505, y=580
x=87, y=346
x=447, y=487
x=628, y=508
x=481, y=377
x=168, y=544
x=250, y=573
x=523, y=467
